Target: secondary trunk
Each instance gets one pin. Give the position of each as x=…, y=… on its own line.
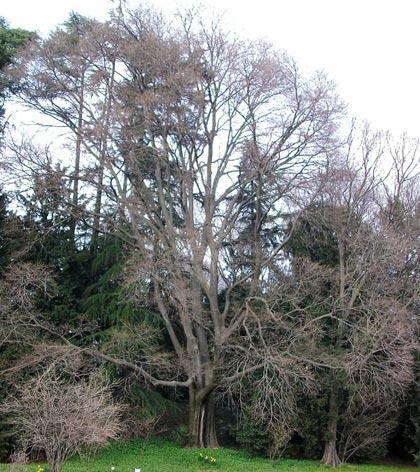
x=330, y=456
x=103, y=150
x=97, y=210
x=76, y=173
x=202, y=426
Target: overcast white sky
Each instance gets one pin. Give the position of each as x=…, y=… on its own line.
x=370, y=48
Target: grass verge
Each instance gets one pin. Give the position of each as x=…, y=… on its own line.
x=160, y=455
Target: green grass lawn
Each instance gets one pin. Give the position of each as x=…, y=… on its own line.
x=163, y=456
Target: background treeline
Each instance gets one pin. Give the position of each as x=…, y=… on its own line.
x=201, y=224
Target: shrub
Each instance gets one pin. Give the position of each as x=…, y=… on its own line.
x=181, y=435
x=63, y=418
x=253, y=437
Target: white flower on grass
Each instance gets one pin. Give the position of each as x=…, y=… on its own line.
x=112, y=468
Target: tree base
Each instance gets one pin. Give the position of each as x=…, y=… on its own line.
x=330, y=456
x=202, y=430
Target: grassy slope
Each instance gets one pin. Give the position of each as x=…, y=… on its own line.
x=164, y=456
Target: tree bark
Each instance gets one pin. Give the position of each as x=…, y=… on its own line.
x=76, y=173
x=102, y=156
x=330, y=456
x=202, y=425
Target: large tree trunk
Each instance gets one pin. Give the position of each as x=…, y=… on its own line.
x=202, y=426
x=330, y=456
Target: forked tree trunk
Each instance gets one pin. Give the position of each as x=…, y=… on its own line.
x=330, y=456
x=202, y=425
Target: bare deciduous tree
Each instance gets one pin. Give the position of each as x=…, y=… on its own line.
x=209, y=100
x=371, y=329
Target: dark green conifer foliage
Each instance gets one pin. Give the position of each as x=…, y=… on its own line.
x=11, y=40
x=412, y=436
x=11, y=242
x=107, y=301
